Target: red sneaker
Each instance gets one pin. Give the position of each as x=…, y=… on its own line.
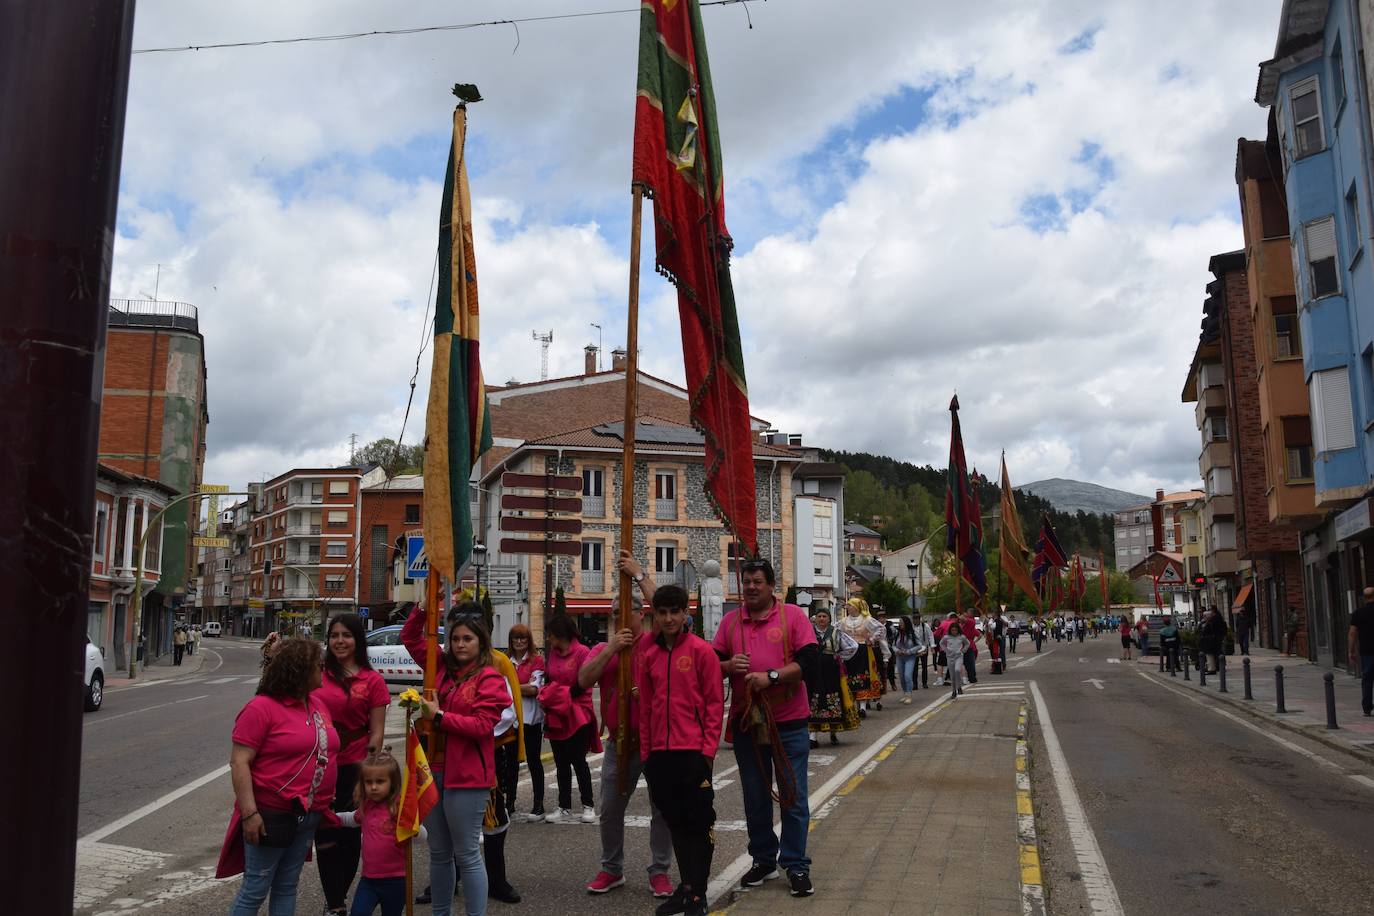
x=660, y=885
x=605, y=881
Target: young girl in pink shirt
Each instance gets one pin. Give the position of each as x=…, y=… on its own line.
x=377, y=797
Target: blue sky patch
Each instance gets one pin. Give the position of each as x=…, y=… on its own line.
x=1081, y=42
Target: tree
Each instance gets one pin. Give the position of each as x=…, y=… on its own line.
x=560, y=604
x=889, y=595
x=408, y=459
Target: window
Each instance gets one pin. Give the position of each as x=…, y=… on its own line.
x=336, y=549
x=822, y=564
x=1333, y=425
x=1307, y=119
x=338, y=488
x=820, y=529
x=1297, y=448
x=317, y=492
x=412, y=513
x=1287, y=337
x=334, y=583
x=593, y=482
x=1219, y=482
x=811, y=487
x=338, y=519
x=224, y=564
x=102, y=521
x=665, y=558
x=592, y=556
x=1352, y=221
x=224, y=590
x=665, y=494
x=1214, y=428
x=1319, y=237
x=734, y=552
x=1337, y=76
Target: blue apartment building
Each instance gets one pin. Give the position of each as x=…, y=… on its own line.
x=1317, y=95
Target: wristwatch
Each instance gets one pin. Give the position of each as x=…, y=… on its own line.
x=772, y=676
x=639, y=578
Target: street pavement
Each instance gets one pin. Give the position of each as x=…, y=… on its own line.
x=1075, y=782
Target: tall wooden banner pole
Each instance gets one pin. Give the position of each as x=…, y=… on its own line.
x=623, y=733
x=410, y=841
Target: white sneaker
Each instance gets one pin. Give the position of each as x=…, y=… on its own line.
x=907, y=699
x=558, y=816
x=588, y=814
x=939, y=682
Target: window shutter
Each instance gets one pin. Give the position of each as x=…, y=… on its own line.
x=1335, y=426
x=1321, y=239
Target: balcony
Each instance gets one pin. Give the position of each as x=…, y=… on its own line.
x=665, y=510
x=594, y=506
x=305, y=499
x=1219, y=563
x=302, y=531
x=143, y=313
x=305, y=559
x=1218, y=507
x=298, y=591
x=1214, y=455
x=1211, y=400
x=593, y=581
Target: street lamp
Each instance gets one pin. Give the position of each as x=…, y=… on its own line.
x=479, y=562
x=911, y=568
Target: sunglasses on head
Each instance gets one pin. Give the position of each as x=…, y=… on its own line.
x=754, y=565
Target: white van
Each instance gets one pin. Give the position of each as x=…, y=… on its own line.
x=212, y=628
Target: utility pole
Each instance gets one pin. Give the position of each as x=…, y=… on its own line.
x=352, y=448
x=61, y=134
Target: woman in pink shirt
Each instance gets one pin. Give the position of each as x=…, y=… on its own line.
x=566, y=656
x=357, y=698
x=282, y=766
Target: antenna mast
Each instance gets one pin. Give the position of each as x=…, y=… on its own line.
x=544, y=341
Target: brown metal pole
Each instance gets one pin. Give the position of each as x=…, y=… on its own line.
x=425, y=726
x=627, y=492
x=61, y=133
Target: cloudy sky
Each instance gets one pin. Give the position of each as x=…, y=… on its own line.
x=1015, y=199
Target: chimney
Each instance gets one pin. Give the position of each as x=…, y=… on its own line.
x=590, y=356
x=619, y=359
x=1157, y=521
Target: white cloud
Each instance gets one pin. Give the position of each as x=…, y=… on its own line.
x=292, y=193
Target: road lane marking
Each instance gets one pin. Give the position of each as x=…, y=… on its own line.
x=1027, y=841
x=153, y=806
x=135, y=712
x=1097, y=880
x=221, y=680
x=1095, y=682
x=728, y=878
x=1033, y=659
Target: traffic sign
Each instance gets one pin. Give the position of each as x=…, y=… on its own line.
x=541, y=546
x=363, y=612
x=1170, y=574
x=417, y=561
x=541, y=482
x=541, y=503
x=541, y=525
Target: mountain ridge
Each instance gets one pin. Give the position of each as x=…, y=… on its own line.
x=1068, y=495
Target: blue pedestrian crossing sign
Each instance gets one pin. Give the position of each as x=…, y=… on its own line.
x=417, y=561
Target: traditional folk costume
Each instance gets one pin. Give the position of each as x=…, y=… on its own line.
x=861, y=670
x=832, y=706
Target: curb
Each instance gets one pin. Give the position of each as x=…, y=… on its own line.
x=143, y=677
x=1027, y=841
x=1310, y=732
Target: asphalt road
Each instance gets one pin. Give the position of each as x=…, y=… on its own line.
x=1194, y=812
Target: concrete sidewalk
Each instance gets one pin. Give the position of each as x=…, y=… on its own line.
x=1304, y=698
x=161, y=669
x=930, y=826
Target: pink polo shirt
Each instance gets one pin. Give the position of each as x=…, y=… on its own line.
x=350, y=705
x=288, y=737
x=610, y=681
x=383, y=857
x=762, y=640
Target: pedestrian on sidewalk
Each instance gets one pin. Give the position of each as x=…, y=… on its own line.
x=1142, y=636
x=356, y=698
x=832, y=708
x=765, y=647
x=283, y=765
x=1242, y=625
x=1126, y=640
x=681, y=706
x=904, y=649
x=1211, y=638
x=1361, y=640
x=1013, y=634
x=529, y=669
x=941, y=662
x=566, y=657
x=969, y=627
x=375, y=804
x=1038, y=632
x=178, y=644
x=954, y=644
x=602, y=669
x=865, y=680
x=925, y=649
x=1169, y=643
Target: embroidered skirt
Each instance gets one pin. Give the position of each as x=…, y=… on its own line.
x=862, y=673
x=832, y=708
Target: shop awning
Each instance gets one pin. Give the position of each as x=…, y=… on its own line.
x=1239, y=603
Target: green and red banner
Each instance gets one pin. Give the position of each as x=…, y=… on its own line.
x=963, y=522
x=677, y=162
x=457, y=427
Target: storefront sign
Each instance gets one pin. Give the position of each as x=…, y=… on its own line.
x=1353, y=521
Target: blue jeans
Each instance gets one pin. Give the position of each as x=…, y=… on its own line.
x=906, y=670
x=455, y=832
x=758, y=803
x=274, y=870
x=389, y=893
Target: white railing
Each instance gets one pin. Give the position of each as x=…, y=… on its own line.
x=593, y=581
x=302, y=530
x=665, y=508
x=594, y=506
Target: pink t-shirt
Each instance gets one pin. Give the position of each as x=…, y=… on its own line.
x=762, y=640
x=610, y=681
x=383, y=856
x=351, y=706
x=289, y=739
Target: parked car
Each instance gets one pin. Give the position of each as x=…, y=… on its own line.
x=95, y=676
x=391, y=659
x=212, y=628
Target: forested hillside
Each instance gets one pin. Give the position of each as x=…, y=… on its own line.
x=905, y=503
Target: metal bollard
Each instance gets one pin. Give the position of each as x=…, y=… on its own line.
x=1185, y=667
x=1161, y=659
x=1202, y=670
x=1329, y=686
x=1245, y=666
x=1278, y=689
x=1221, y=673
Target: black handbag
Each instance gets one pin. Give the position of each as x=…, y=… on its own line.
x=278, y=828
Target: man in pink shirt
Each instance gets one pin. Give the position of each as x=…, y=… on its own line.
x=764, y=647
